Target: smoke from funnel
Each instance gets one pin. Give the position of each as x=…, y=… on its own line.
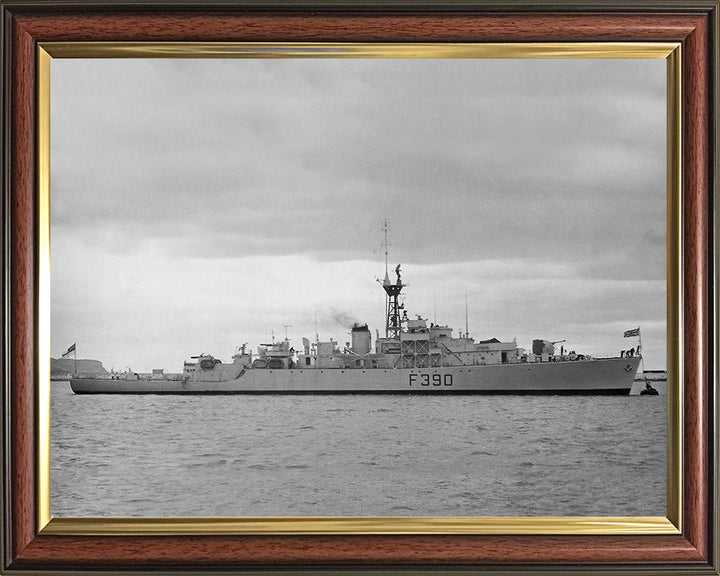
x=345, y=320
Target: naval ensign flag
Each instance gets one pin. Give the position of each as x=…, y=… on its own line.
x=630, y=333
x=67, y=352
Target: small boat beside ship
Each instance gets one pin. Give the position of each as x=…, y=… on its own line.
x=650, y=382
x=413, y=357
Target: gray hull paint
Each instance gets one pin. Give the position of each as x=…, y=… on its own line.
x=601, y=376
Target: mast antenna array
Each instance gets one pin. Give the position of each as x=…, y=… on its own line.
x=393, y=319
x=467, y=330
x=385, y=229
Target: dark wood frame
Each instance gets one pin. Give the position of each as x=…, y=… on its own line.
x=693, y=23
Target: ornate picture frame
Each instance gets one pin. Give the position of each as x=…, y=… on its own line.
x=685, y=542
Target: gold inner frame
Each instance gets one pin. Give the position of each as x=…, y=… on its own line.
x=671, y=524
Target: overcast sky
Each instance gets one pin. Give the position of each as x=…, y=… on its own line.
x=201, y=204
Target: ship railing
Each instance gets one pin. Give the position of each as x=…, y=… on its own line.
x=583, y=356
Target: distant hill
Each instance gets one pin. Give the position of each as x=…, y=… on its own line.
x=64, y=367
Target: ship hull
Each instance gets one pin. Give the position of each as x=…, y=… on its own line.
x=587, y=377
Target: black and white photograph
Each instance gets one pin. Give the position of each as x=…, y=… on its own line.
x=358, y=287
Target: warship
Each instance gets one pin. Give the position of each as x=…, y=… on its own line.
x=413, y=357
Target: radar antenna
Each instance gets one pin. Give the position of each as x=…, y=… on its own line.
x=393, y=307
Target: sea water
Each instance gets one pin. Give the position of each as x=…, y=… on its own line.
x=357, y=455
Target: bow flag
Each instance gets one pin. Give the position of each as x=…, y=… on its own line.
x=630, y=333
x=71, y=349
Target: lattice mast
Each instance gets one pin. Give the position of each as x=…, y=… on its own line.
x=393, y=318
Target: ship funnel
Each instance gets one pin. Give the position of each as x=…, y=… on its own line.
x=361, y=339
x=306, y=346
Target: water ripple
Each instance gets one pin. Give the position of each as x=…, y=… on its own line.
x=356, y=455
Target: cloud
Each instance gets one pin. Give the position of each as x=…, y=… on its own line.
x=204, y=166
x=486, y=147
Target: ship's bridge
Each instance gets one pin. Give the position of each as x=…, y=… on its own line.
x=417, y=325
x=437, y=331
